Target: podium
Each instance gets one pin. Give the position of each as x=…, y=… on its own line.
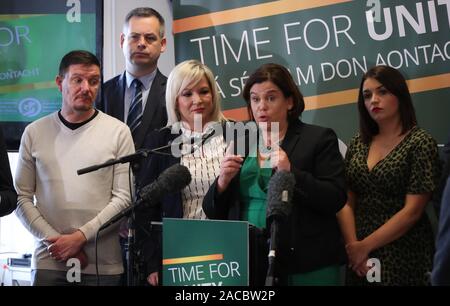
x=205, y=252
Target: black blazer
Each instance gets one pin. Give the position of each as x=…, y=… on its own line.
x=111, y=101
x=153, y=166
x=312, y=237
x=148, y=236
x=8, y=194
x=441, y=265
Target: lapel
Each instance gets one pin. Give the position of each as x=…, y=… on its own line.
x=155, y=102
x=117, y=98
x=293, y=136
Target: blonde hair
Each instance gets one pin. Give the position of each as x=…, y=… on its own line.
x=184, y=74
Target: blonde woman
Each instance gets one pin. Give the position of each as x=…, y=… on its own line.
x=193, y=110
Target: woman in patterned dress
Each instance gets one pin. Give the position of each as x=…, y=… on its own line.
x=392, y=167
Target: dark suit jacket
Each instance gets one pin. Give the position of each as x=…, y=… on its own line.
x=445, y=157
x=148, y=236
x=441, y=265
x=312, y=237
x=111, y=101
x=153, y=166
x=9, y=197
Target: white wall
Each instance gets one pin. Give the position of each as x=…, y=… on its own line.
x=14, y=237
x=114, y=16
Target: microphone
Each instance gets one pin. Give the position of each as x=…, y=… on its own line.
x=200, y=141
x=138, y=155
x=279, y=194
x=173, y=179
x=183, y=145
x=279, y=205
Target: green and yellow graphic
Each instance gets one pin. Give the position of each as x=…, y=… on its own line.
x=205, y=253
x=327, y=46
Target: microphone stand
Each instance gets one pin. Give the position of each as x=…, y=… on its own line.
x=134, y=160
x=130, y=247
x=271, y=279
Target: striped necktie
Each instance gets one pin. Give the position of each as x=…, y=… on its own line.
x=135, y=112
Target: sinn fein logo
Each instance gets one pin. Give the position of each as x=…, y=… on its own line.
x=30, y=107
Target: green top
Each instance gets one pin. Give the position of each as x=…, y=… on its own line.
x=253, y=191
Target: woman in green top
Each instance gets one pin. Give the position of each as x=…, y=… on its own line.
x=311, y=248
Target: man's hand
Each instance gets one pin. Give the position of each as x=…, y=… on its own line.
x=82, y=257
x=63, y=247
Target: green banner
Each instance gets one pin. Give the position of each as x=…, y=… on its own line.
x=327, y=46
x=205, y=253
x=31, y=48
x=34, y=36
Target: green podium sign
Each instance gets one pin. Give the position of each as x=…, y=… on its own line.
x=205, y=253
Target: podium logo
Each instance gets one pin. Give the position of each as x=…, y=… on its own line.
x=186, y=272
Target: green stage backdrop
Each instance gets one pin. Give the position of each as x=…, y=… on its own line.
x=34, y=35
x=327, y=45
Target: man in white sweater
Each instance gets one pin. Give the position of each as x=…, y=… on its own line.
x=60, y=208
